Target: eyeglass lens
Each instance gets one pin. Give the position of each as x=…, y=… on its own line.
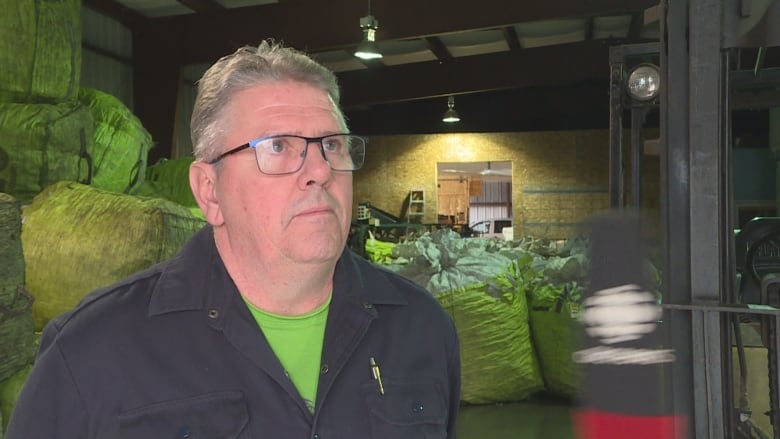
x=286, y=154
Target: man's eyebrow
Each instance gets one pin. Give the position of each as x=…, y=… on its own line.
x=300, y=134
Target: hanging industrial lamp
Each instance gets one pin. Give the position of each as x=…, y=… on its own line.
x=367, y=48
x=450, y=116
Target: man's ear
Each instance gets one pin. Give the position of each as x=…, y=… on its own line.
x=203, y=182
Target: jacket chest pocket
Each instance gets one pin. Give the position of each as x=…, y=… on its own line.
x=220, y=415
x=407, y=409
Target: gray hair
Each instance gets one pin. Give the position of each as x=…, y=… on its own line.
x=247, y=67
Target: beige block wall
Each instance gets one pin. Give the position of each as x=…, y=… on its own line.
x=558, y=178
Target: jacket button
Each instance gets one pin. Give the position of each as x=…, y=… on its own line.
x=417, y=407
x=184, y=432
x=316, y=436
x=213, y=313
x=324, y=369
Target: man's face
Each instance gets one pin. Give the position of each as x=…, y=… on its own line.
x=300, y=217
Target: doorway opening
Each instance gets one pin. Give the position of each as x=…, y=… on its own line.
x=473, y=192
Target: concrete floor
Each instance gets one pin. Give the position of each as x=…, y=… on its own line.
x=544, y=418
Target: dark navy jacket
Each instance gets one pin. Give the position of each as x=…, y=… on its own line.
x=174, y=352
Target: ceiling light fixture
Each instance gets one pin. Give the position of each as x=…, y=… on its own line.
x=450, y=116
x=367, y=48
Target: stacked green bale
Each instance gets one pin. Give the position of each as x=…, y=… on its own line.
x=170, y=179
x=121, y=143
x=498, y=362
x=40, y=50
x=17, y=336
x=77, y=238
x=41, y=144
x=555, y=327
x=9, y=393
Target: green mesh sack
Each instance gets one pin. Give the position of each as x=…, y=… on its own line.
x=121, y=143
x=10, y=389
x=170, y=179
x=498, y=363
x=40, y=50
x=11, y=256
x=41, y=144
x=17, y=335
x=17, y=340
x=555, y=330
x=379, y=252
x=77, y=238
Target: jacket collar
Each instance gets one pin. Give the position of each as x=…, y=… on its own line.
x=182, y=278
x=196, y=278
x=364, y=282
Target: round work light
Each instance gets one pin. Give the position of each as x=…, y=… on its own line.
x=644, y=82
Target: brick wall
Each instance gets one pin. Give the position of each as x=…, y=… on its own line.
x=558, y=178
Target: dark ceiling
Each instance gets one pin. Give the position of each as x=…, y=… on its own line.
x=547, y=69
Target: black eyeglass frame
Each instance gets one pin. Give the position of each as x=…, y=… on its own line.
x=309, y=140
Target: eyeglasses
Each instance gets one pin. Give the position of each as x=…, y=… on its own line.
x=285, y=154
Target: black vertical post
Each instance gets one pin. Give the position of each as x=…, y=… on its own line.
x=675, y=203
x=637, y=121
x=616, y=189
x=728, y=262
x=708, y=231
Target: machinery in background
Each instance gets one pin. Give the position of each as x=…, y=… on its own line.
x=757, y=253
x=719, y=288
x=384, y=226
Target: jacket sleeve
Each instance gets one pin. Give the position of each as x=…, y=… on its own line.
x=50, y=405
x=454, y=378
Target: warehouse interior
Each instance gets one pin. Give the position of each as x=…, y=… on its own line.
x=548, y=138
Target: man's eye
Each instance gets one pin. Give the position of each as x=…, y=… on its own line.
x=277, y=146
x=332, y=146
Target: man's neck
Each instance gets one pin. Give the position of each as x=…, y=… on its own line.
x=281, y=287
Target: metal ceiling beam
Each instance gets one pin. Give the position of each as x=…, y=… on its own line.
x=637, y=23
x=198, y=38
x=203, y=6
x=510, y=35
x=576, y=107
x=369, y=63
x=156, y=86
x=161, y=46
x=470, y=74
x=589, y=26
x=438, y=48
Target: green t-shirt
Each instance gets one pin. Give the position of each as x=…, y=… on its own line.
x=297, y=342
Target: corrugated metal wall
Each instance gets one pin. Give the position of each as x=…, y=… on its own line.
x=106, y=56
x=187, y=91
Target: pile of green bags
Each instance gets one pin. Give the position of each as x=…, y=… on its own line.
x=498, y=363
x=17, y=335
x=72, y=245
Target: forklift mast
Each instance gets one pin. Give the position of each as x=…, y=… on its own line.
x=714, y=56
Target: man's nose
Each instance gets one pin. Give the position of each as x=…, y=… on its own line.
x=321, y=150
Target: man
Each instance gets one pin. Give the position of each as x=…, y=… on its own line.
x=264, y=325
